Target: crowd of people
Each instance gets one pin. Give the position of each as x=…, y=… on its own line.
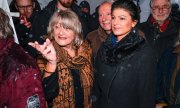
x=68, y=58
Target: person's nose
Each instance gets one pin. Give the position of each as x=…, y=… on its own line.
x=115, y=22
x=160, y=9
x=103, y=18
x=61, y=31
x=24, y=10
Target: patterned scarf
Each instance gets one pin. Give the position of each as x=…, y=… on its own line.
x=82, y=63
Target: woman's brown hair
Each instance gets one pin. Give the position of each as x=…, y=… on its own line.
x=5, y=27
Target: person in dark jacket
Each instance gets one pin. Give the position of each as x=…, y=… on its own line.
x=168, y=68
x=125, y=68
x=20, y=77
x=95, y=16
x=85, y=8
x=175, y=12
x=23, y=24
x=161, y=30
x=42, y=20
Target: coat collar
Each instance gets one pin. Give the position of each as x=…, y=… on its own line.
x=115, y=52
x=102, y=34
x=171, y=29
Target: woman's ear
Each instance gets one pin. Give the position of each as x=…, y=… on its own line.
x=134, y=23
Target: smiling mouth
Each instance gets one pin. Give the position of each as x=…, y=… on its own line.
x=62, y=38
x=106, y=22
x=161, y=15
x=116, y=28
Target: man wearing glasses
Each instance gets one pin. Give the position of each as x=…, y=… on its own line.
x=23, y=24
x=161, y=30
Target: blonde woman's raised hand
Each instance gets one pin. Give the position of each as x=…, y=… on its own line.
x=46, y=49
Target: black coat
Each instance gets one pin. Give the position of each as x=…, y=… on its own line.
x=167, y=66
x=42, y=20
x=24, y=34
x=125, y=74
x=159, y=41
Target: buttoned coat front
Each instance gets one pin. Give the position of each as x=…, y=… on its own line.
x=125, y=74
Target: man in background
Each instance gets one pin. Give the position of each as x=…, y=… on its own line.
x=97, y=37
x=42, y=20
x=28, y=10
x=161, y=30
x=85, y=8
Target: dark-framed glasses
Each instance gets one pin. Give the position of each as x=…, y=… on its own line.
x=28, y=7
x=158, y=8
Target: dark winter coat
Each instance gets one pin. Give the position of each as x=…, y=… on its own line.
x=125, y=74
x=159, y=41
x=42, y=20
x=20, y=78
x=24, y=34
x=166, y=67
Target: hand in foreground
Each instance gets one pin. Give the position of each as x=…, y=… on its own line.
x=46, y=49
x=24, y=20
x=159, y=106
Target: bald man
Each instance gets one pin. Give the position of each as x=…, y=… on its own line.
x=98, y=36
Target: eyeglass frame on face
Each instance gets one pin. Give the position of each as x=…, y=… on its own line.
x=164, y=8
x=28, y=7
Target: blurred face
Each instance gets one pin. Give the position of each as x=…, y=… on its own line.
x=63, y=36
x=105, y=17
x=160, y=10
x=85, y=10
x=25, y=7
x=122, y=23
x=66, y=3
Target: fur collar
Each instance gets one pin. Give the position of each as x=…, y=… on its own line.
x=114, y=53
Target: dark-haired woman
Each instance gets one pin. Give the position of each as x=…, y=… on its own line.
x=125, y=64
